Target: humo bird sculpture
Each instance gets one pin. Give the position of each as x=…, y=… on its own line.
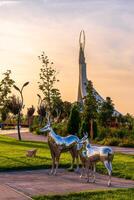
x=90, y=155
x=58, y=144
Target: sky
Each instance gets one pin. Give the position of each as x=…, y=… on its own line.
x=28, y=27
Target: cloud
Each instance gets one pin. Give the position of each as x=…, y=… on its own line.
x=7, y=2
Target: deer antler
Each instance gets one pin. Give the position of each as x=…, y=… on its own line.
x=58, y=112
x=48, y=117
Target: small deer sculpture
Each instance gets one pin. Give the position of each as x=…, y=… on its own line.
x=58, y=144
x=90, y=155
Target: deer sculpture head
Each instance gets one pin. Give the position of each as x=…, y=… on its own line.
x=82, y=142
x=46, y=128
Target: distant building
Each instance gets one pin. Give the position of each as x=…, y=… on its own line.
x=83, y=74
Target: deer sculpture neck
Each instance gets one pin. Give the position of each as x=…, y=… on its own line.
x=52, y=133
x=53, y=137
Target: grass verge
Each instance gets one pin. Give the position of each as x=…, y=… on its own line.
x=118, y=194
x=13, y=157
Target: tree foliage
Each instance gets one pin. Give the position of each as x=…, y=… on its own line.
x=106, y=112
x=66, y=108
x=41, y=109
x=129, y=121
x=74, y=120
x=5, y=90
x=30, y=111
x=47, y=81
x=4, y=113
x=90, y=110
x=57, y=104
x=14, y=105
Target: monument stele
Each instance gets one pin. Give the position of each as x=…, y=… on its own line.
x=82, y=93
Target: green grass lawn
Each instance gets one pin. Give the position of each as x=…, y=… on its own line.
x=13, y=157
x=119, y=194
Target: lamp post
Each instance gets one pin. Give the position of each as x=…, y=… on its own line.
x=21, y=106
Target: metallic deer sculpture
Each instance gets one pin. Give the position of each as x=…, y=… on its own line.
x=58, y=144
x=90, y=155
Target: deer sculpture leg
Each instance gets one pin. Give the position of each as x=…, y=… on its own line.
x=108, y=166
x=87, y=172
x=73, y=159
x=94, y=172
x=75, y=156
x=56, y=163
x=77, y=163
x=82, y=171
x=53, y=163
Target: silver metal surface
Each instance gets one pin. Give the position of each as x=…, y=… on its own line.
x=90, y=155
x=58, y=144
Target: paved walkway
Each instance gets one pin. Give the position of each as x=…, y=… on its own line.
x=24, y=184
x=5, y=132
x=8, y=193
x=38, y=182
x=30, y=136
x=124, y=150
x=25, y=134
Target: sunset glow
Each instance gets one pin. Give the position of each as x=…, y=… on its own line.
x=29, y=27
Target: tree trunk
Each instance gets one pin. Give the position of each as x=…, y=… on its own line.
x=91, y=129
x=18, y=127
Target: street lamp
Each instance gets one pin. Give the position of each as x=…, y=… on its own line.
x=22, y=101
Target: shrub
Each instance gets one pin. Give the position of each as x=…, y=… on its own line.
x=35, y=124
x=9, y=127
x=112, y=141
x=74, y=120
x=103, y=133
x=127, y=143
x=38, y=132
x=119, y=133
x=61, y=128
x=95, y=130
x=84, y=128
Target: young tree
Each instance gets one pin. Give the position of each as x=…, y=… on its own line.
x=129, y=121
x=30, y=112
x=5, y=90
x=47, y=81
x=4, y=115
x=74, y=120
x=57, y=104
x=90, y=109
x=41, y=109
x=14, y=106
x=20, y=106
x=106, y=112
